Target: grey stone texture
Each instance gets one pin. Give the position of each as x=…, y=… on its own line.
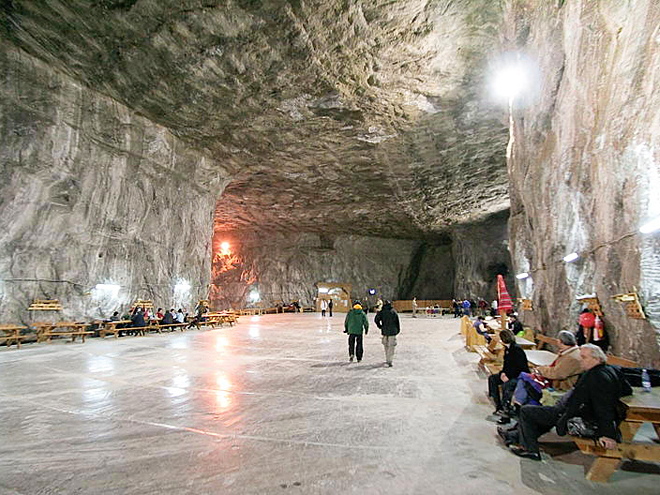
x=584, y=166
x=93, y=193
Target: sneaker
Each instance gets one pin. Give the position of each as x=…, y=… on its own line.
x=389, y=364
x=504, y=420
x=350, y=359
x=359, y=360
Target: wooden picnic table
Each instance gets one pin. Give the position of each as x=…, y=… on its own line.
x=111, y=327
x=540, y=358
x=12, y=333
x=641, y=407
x=63, y=329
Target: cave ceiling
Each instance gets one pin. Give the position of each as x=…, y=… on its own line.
x=335, y=116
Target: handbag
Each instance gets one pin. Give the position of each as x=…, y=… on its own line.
x=580, y=428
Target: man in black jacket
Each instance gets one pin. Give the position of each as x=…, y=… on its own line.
x=515, y=361
x=595, y=398
x=388, y=321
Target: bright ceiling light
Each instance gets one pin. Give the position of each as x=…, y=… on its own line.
x=224, y=248
x=650, y=226
x=571, y=257
x=522, y=275
x=510, y=81
x=254, y=296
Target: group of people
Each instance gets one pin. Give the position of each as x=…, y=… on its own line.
x=356, y=325
x=592, y=390
x=142, y=317
x=469, y=307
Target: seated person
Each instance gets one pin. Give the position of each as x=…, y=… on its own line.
x=115, y=316
x=595, y=399
x=562, y=374
x=168, y=319
x=180, y=317
x=515, y=326
x=480, y=326
x=515, y=362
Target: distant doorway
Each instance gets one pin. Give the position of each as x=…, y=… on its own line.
x=340, y=294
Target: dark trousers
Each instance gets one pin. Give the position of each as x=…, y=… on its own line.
x=355, y=346
x=330, y=310
x=494, y=384
x=535, y=421
x=323, y=312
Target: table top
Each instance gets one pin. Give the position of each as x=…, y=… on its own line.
x=523, y=342
x=10, y=328
x=540, y=358
x=116, y=322
x=643, y=401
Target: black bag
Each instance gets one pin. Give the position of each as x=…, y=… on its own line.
x=580, y=428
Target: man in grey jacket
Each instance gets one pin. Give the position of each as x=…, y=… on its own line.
x=388, y=321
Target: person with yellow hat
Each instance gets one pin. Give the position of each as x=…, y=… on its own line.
x=354, y=323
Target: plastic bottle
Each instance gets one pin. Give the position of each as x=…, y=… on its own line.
x=646, y=381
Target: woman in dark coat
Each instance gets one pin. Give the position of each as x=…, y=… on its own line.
x=515, y=361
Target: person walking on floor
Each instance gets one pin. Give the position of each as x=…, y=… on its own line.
x=324, y=306
x=354, y=323
x=414, y=307
x=388, y=322
x=330, y=305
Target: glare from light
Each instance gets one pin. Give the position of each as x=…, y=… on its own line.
x=323, y=290
x=224, y=248
x=182, y=286
x=372, y=291
x=571, y=257
x=108, y=289
x=650, y=226
x=510, y=81
x=522, y=275
x=254, y=296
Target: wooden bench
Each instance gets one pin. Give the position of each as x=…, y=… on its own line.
x=544, y=339
x=607, y=460
x=12, y=333
x=623, y=362
x=73, y=334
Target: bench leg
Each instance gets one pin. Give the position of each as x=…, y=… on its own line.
x=602, y=469
x=628, y=430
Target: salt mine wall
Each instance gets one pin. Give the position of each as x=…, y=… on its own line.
x=94, y=194
x=584, y=164
x=284, y=268
x=481, y=252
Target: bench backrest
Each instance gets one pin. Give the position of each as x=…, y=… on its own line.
x=547, y=340
x=619, y=361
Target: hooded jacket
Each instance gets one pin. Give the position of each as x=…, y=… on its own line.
x=388, y=321
x=355, y=321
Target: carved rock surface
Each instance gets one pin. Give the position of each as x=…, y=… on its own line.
x=92, y=193
x=584, y=170
x=327, y=113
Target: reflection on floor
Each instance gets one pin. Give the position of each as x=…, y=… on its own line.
x=269, y=405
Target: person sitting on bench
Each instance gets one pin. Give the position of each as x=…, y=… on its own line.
x=595, y=399
x=515, y=362
x=480, y=326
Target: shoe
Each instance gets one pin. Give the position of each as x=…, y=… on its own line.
x=389, y=364
x=498, y=412
x=350, y=359
x=359, y=360
x=504, y=420
x=509, y=437
x=526, y=454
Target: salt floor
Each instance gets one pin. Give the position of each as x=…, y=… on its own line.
x=270, y=406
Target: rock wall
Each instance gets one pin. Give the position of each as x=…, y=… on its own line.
x=92, y=193
x=286, y=267
x=584, y=164
x=481, y=252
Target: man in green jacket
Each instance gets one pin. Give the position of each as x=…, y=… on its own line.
x=355, y=321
